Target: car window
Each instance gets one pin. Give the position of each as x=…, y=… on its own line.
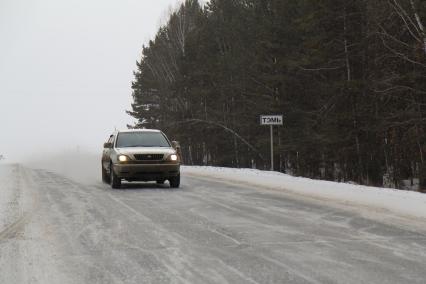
x=141, y=139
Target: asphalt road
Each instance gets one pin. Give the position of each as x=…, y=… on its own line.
x=57, y=230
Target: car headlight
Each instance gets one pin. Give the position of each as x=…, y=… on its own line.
x=123, y=158
x=173, y=157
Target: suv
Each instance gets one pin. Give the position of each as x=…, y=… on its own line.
x=140, y=155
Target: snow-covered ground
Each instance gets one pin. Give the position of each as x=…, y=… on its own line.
x=7, y=199
x=405, y=203
x=221, y=226
x=84, y=167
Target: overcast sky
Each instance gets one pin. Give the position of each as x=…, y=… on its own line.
x=66, y=68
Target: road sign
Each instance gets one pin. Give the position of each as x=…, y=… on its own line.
x=271, y=120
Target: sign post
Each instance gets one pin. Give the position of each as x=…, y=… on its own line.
x=271, y=120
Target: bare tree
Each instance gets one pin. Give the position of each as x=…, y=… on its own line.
x=412, y=21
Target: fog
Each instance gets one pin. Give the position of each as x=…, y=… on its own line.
x=66, y=71
x=78, y=165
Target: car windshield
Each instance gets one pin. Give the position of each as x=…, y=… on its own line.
x=141, y=139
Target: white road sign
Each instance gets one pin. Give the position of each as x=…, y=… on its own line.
x=271, y=120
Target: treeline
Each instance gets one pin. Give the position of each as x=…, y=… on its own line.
x=348, y=75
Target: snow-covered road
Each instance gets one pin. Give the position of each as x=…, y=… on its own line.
x=57, y=230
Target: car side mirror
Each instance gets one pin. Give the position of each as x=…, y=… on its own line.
x=175, y=145
x=107, y=145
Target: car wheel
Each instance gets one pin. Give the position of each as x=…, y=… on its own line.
x=115, y=181
x=175, y=181
x=105, y=176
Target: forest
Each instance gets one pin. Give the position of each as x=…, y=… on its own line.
x=349, y=77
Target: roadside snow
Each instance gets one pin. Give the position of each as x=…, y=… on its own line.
x=406, y=203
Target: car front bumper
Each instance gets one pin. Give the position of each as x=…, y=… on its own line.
x=146, y=172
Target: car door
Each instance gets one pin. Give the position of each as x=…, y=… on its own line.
x=106, y=153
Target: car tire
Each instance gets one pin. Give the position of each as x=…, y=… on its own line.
x=105, y=176
x=115, y=181
x=174, y=181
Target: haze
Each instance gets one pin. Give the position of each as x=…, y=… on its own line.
x=66, y=70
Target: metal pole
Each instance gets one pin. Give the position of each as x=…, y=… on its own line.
x=272, y=149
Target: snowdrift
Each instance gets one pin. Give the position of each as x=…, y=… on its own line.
x=407, y=203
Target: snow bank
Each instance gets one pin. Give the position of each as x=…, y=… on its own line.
x=406, y=203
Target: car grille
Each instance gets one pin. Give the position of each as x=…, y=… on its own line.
x=149, y=157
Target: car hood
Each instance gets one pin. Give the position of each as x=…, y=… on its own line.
x=145, y=150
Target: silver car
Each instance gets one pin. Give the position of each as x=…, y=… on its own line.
x=140, y=155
